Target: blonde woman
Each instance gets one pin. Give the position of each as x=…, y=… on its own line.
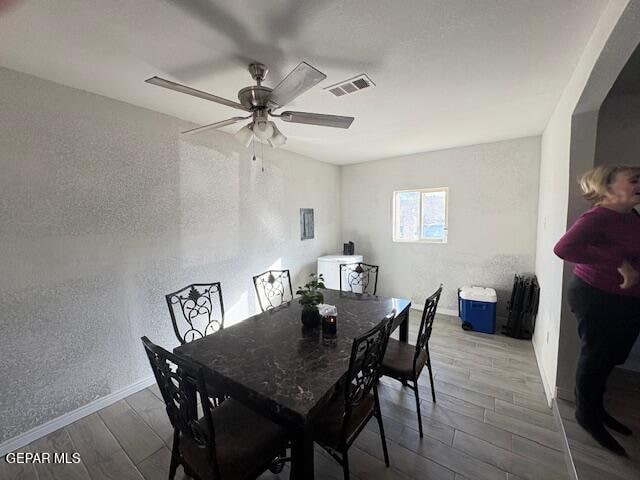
x=604, y=293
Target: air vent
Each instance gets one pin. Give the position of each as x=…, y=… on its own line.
x=361, y=83
x=350, y=86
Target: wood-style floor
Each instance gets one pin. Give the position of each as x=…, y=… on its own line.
x=590, y=459
x=490, y=422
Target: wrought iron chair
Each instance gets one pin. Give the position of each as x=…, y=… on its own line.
x=228, y=442
x=359, y=277
x=405, y=362
x=199, y=308
x=357, y=401
x=273, y=288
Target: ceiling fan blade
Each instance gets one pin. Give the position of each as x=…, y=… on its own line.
x=161, y=82
x=298, y=81
x=323, y=120
x=221, y=124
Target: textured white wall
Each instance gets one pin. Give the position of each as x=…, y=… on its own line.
x=554, y=196
x=103, y=210
x=492, y=218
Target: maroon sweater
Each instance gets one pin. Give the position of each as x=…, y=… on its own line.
x=598, y=243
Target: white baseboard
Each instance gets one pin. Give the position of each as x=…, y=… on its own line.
x=549, y=391
x=40, y=431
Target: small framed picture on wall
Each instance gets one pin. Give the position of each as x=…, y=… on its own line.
x=306, y=223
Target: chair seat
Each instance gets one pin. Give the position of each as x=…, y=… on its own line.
x=245, y=441
x=328, y=428
x=398, y=360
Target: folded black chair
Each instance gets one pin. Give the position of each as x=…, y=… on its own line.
x=405, y=362
x=273, y=288
x=357, y=401
x=229, y=442
x=523, y=307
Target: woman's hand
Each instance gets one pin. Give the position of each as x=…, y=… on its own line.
x=630, y=275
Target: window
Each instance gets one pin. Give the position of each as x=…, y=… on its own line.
x=420, y=215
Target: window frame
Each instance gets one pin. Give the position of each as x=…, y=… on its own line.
x=421, y=216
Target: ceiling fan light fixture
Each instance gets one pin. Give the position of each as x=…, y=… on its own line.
x=277, y=139
x=244, y=135
x=263, y=130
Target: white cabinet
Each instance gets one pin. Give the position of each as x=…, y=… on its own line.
x=329, y=267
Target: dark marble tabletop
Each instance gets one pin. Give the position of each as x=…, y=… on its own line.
x=271, y=362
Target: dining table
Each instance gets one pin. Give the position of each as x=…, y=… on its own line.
x=287, y=372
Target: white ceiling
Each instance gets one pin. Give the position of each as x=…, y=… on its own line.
x=447, y=72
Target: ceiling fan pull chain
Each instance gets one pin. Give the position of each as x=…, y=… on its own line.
x=253, y=144
x=262, y=155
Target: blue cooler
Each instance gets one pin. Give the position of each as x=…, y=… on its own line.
x=477, y=309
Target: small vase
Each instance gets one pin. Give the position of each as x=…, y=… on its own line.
x=310, y=316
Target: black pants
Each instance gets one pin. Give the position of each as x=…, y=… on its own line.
x=608, y=325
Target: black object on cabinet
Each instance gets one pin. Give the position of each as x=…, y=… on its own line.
x=522, y=307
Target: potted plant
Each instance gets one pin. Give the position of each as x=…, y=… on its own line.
x=310, y=297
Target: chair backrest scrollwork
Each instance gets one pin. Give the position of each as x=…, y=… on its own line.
x=180, y=382
x=273, y=288
x=359, y=277
x=426, y=323
x=365, y=363
x=196, y=310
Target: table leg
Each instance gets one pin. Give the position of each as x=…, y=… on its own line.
x=404, y=327
x=302, y=455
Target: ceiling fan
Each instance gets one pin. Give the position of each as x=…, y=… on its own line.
x=262, y=101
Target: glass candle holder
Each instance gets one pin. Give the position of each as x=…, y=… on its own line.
x=329, y=321
x=329, y=326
